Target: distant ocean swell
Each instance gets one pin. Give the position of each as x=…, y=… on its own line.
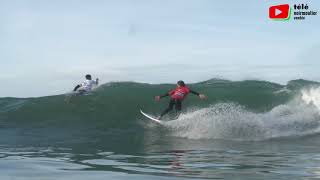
x=237, y=110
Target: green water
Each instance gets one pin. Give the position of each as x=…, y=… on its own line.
x=245, y=130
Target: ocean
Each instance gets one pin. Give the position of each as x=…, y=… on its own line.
x=245, y=130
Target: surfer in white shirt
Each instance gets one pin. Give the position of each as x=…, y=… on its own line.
x=87, y=85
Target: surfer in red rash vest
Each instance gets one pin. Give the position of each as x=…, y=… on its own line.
x=176, y=97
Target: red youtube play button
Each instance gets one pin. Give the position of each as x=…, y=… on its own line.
x=279, y=11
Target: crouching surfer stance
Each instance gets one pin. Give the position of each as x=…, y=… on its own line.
x=83, y=88
x=176, y=97
x=86, y=86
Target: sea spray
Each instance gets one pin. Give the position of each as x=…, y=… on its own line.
x=312, y=96
x=231, y=121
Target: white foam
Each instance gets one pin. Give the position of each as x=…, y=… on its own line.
x=231, y=121
x=312, y=96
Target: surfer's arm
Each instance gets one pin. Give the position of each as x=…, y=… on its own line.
x=162, y=96
x=194, y=92
x=201, y=96
x=77, y=87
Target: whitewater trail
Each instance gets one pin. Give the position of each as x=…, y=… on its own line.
x=299, y=117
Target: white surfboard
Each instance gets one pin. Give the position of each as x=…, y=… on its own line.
x=151, y=118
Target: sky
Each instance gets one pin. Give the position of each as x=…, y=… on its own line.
x=47, y=47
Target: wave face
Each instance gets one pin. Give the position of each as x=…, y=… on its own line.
x=241, y=110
